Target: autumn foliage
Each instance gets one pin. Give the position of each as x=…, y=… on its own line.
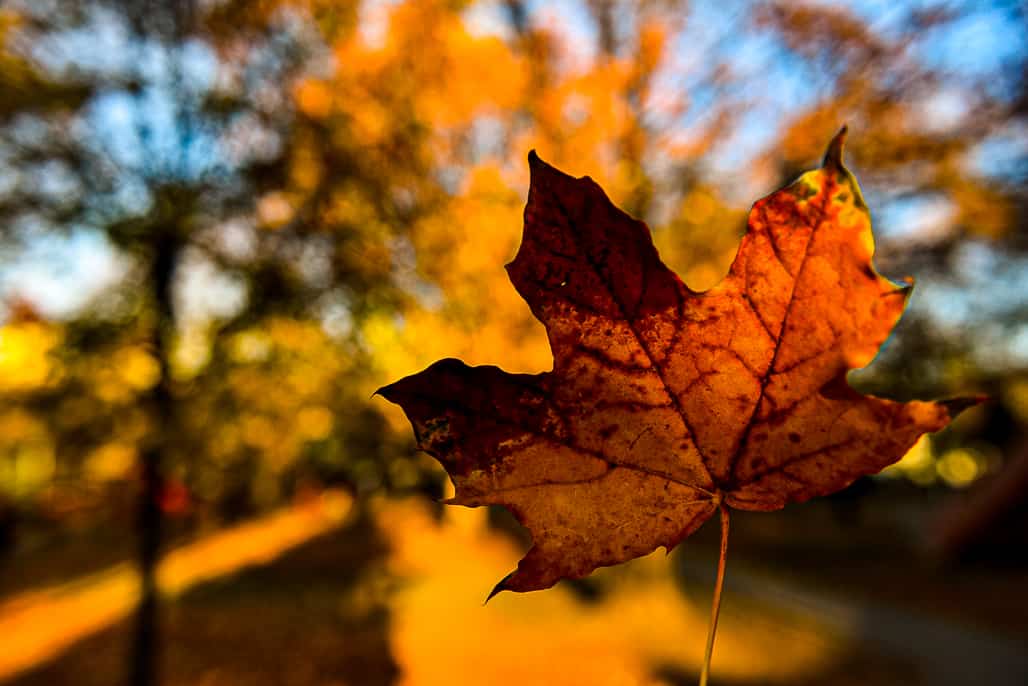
x=665, y=404
x=224, y=229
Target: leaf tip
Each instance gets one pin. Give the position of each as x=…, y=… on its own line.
x=498, y=588
x=833, y=155
x=904, y=287
x=391, y=392
x=955, y=406
x=536, y=163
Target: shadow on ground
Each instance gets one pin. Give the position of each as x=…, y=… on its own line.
x=316, y=615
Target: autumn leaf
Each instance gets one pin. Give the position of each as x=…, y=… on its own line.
x=665, y=405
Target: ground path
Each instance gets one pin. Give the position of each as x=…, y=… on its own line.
x=38, y=625
x=945, y=653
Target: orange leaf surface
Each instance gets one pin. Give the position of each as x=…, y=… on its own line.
x=665, y=404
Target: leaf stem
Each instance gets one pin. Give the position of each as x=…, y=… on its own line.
x=715, y=608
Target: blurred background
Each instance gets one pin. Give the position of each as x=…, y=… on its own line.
x=224, y=223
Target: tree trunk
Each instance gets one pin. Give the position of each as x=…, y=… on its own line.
x=145, y=658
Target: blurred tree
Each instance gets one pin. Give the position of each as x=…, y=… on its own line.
x=267, y=209
x=251, y=253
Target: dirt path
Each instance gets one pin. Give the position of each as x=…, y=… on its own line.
x=38, y=625
x=945, y=653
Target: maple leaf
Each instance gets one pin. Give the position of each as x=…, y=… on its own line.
x=665, y=405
